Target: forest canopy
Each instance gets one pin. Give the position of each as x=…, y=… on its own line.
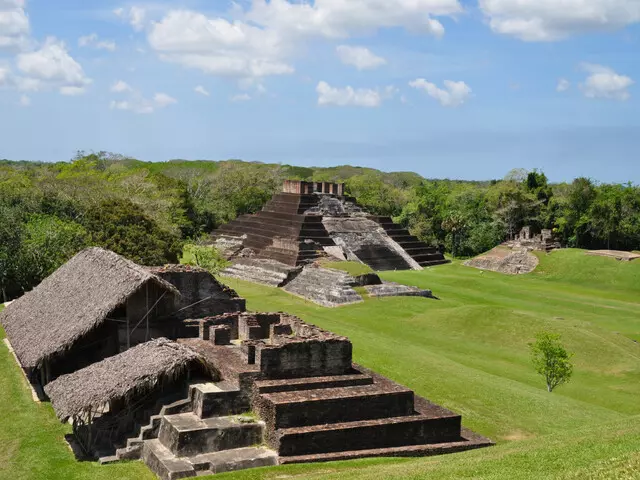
x=148, y=211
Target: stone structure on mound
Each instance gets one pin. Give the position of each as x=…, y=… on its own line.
x=310, y=404
x=543, y=241
x=231, y=390
x=517, y=261
x=307, y=220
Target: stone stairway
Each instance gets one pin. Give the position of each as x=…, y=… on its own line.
x=205, y=434
x=425, y=255
x=355, y=416
x=324, y=286
x=267, y=272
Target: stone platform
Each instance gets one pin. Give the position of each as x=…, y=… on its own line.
x=288, y=392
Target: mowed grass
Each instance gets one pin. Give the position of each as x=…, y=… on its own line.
x=467, y=351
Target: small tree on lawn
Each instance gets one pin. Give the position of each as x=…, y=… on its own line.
x=551, y=360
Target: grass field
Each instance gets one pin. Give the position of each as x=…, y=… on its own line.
x=467, y=351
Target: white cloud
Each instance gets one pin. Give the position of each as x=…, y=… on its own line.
x=121, y=87
x=137, y=103
x=341, y=19
x=51, y=67
x=563, y=85
x=603, y=82
x=360, y=57
x=14, y=25
x=163, y=100
x=454, y=94
x=94, y=41
x=201, y=90
x=349, y=96
x=549, y=20
x=242, y=97
x=262, y=40
x=25, y=101
x=136, y=16
x=217, y=46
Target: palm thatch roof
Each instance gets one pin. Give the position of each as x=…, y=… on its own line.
x=71, y=302
x=129, y=375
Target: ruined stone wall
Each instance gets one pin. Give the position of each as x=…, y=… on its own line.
x=201, y=294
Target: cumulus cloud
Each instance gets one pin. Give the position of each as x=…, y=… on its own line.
x=121, y=87
x=94, y=41
x=135, y=16
x=341, y=19
x=349, y=96
x=604, y=82
x=263, y=40
x=563, y=85
x=454, y=94
x=163, y=100
x=51, y=66
x=201, y=90
x=25, y=101
x=219, y=47
x=14, y=25
x=549, y=20
x=360, y=57
x=136, y=103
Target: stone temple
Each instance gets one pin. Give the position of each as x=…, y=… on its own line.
x=309, y=220
x=166, y=366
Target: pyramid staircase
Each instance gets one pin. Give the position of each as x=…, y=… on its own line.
x=423, y=254
x=290, y=230
x=281, y=231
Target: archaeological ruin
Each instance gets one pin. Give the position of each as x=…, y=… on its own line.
x=210, y=387
x=307, y=222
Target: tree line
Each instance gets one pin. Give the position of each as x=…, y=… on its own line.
x=149, y=211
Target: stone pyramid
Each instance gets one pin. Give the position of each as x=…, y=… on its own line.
x=308, y=220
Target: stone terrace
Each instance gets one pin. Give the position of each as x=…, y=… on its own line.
x=312, y=404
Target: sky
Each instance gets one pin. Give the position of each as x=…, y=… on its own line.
x=466, y=89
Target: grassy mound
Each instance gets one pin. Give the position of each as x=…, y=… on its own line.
x=468, y=352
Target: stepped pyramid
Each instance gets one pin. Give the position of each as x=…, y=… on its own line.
x=307, y=220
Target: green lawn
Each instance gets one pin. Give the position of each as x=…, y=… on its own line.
x=468, y=352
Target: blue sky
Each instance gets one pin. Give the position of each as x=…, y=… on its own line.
x=446, y=88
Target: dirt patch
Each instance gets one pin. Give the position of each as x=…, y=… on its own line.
x=505, y=260
x=617, y=254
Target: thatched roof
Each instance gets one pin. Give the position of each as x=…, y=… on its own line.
x=71, y=302
x=130, y=374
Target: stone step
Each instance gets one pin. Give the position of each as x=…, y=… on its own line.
x=167, y=466
x=180, y=406
x=218, y=399
x=234, y=460
x=332, y=405
x=186, y=434
x=313, y=383
x=368, y=434
x=389, y=289
x=426, y=450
